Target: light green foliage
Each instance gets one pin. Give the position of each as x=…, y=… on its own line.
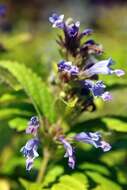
x=18, y=123
x=115, y=124
x=38, y=92
x=72, y=182
x=94, y=170
x=30, y=186
x=104, y=182
x=95, y=167
x=8, y=112
x=52, y=175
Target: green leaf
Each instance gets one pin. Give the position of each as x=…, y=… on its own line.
x=30, y=186
x=12, y=163
x=113, y=158
x=82, y=178
x=52, y=175
x=8, y=112
x=73, y=182
x=8, y=79
x=104, y=182
x=62, y=187
x=115, y=124
x=18, y=123
x=95, y=167
x=35, y=88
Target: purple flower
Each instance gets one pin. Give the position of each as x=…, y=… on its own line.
x=72, y=29
x=57, y=20
x=93, y=139
x=33, y=126
x=103, y=67
x=86, y=32
x=68, y=67
x=90, y=42
x=30, y=152
x=119, y=72
x=105, y=146
x=106, y=96
x=98, y=89
x=69, y=152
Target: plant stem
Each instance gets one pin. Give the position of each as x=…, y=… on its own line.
x=44, y=164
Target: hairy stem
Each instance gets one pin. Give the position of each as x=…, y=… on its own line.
x=44, y=164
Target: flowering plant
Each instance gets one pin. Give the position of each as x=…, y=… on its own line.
x=78, y=81
x=71, y=91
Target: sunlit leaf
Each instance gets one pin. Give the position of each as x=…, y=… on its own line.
x=8, y=112
x=52, y=175
x=71, y=183
x=103, y=181
x=115, y=124
x=30, y=185
x=18, y=123
x=95, y=167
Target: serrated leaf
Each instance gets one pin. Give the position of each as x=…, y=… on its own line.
x=115, y=124
x=39, y=93
x=18, y=123
x=8, y=79
x=104, y=182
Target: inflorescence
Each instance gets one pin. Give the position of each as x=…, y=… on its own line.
x=79, y=71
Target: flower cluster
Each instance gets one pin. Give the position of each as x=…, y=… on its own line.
x=30, y=149
x=79, y=70
x=83, y=69
x=79, y=76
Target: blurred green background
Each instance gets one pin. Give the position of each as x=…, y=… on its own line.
x=27, y=37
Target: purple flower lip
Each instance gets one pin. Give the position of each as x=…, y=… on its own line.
x=93, y=139
x=29, y=163
x=69, y=152
x=106, y=96
x=119, y=72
